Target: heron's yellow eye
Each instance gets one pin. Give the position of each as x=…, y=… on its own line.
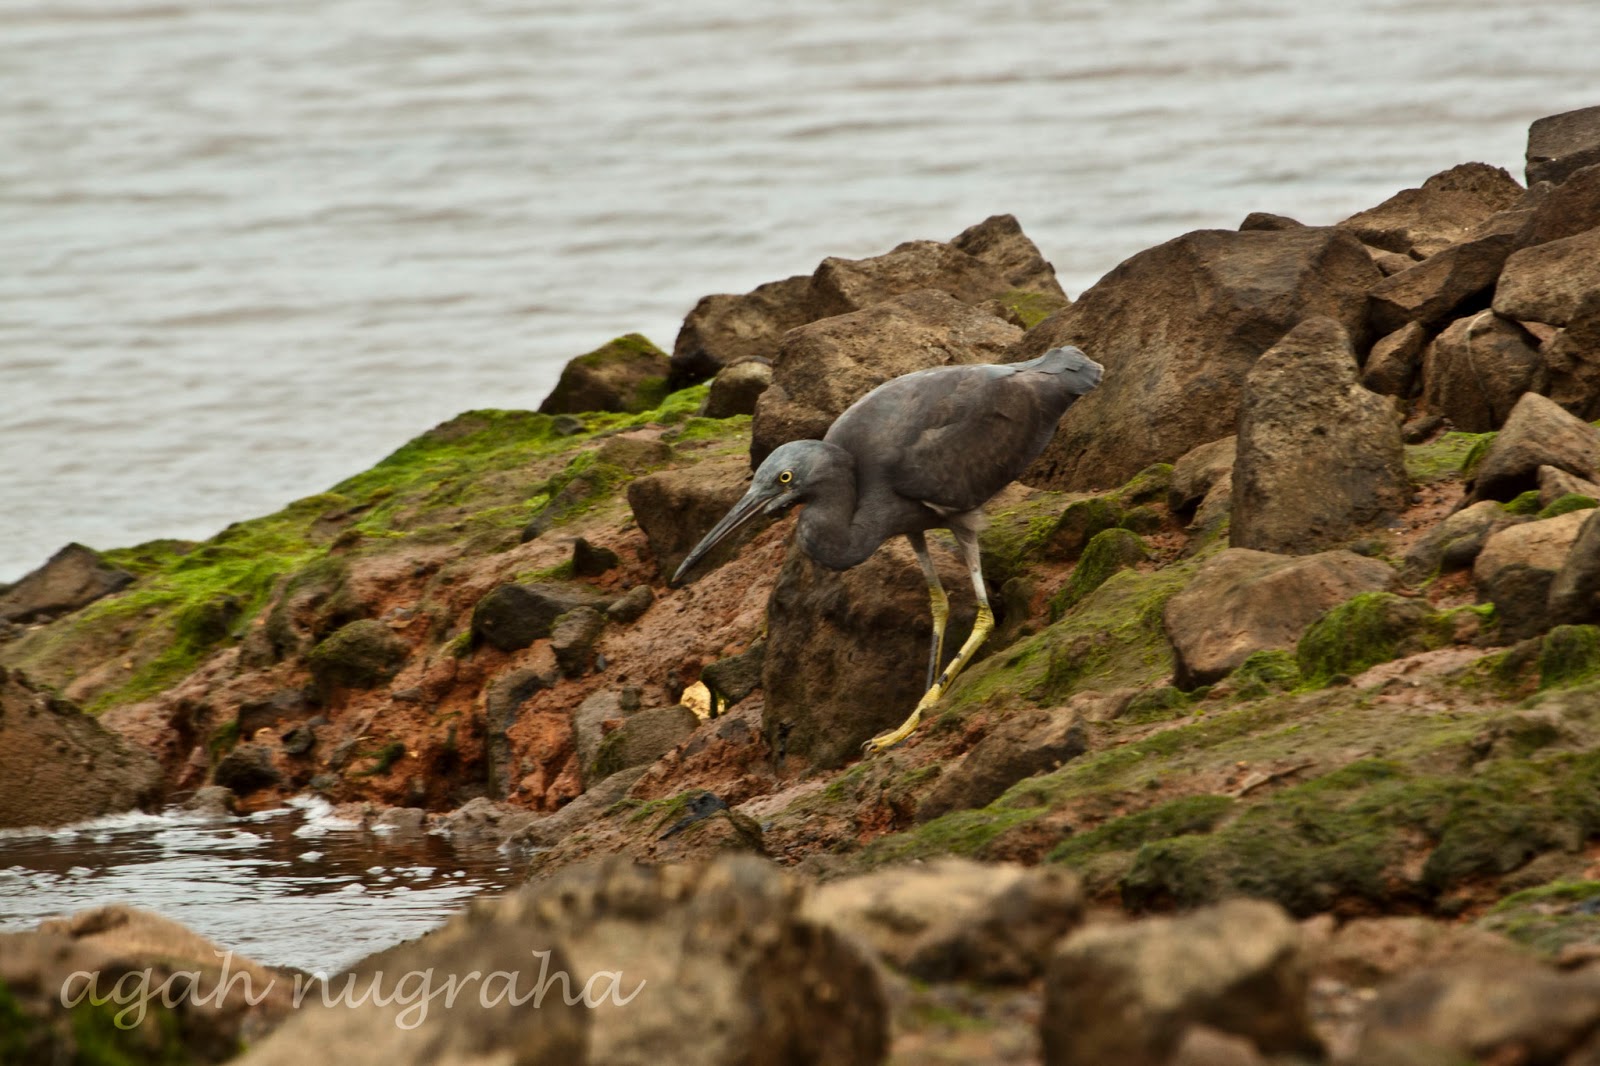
x=785, y=477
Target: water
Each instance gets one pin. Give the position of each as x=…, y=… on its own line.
x=293, y=886
x=251, y=246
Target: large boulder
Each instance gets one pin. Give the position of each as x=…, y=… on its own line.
x=676, y=508
x=59, y=765
x=1516, y=571
x=993, y=260
x=713, y=964
x=1475, y=371
x=824, y=367
x=955, y=919
x=1438, y=287
x=628, y=374
x=1243, y=601
x=737, y=388
x=1575, y=590
x=1548, y=282
x=1178, y=327
x=1444, y=211
x=847, y=653
x=1197, y=471
x=73, y=577
x=1319, y=457
x=1128, y=994
x=1563, y=211
x=1538, y=432
x=1572, y=361
x=1560, y=144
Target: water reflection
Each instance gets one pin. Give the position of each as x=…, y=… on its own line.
x=293, y=886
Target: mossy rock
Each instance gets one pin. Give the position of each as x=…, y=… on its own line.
x=1569, y=655
x=1148, y=486
x=1451, y=455
x=1551, y=918
x=1264, y=672
x=1372, y=628
x=1108, y=551
x=1031, y=308
x=1572, y=501
x=1080, y=523
x=627, y=375
x=1527, y=504
x=362, y=654
x=1156, y=705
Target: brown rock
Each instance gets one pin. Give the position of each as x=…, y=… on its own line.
x=1475, y=371
x=514, y=616
x=1389, y=263
x=628, y=374
x=723, y=330
x=1032, y=741
x=1367, y=951
x=1268, y=221
x=641, y=739
x=1516, y=570
x=74, y=577
x=483, y=821
x=1480, y=1012
x=675, y=508
x=1243, y=601
x=1563, y=211
x=1197, y=470
x=1319, y=457
x=1548, y=282
x=1126, y=994
x=1454, y=543
x=1178, y=327
x=841, y=286
x=736, y=388
x=999, y=242
x=547, y=831
x=631, y=605
x=59, y=765
x=572, y=640
x=1538, y=432
x=1444, y=211
x=1575, y=590
x=1555, y=483
x=1393, y=362
x=1572, y=361
x=1439, y=287
x=954, y=919
x=847, y=652
x=1560, y=144
x=824, y=367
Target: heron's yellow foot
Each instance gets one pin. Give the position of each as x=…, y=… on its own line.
x=884, y=741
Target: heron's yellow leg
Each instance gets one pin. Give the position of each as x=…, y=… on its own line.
x=939, y=604
x=982, y=626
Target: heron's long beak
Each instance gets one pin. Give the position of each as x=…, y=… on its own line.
x=749, y=506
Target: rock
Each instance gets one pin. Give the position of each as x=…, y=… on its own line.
x=843, y=286
x=736, y=388
x=675, y=508
x=1319, y=457
x=1538, y=432
x=1032, y=741
x=1392, y=364
x=1178, y=327
x=503, y=701
x=514, y=616
x=1244, y=601
x=847, y=652
x=1517, y=567
x=1546, y=283
x=824, y=367
x=485, y=821
x=1574, y=596
x=1107, y=552
x=631, y=605
x=1441, y=286
x=589, y=720
x=1454, y=543
x=60, y=765
x=723, y=330
x=1563, y=211
x=74, y=577
x=591, y=561
x=1555, y=483
x=361, y=654
x=212, y=801
x=999, y=242
x=1444, y=211
x=1475, y=371
x=572, y=640
x=671, y=964
x=732, y=679
x=138, y=988
x=1364, y=952
x=1480, y=1012
x=400, y=820
x=247, y=768
x=549, y=830
x=954, y=919
x=629, y=374
x=1202, y=1045
x=642, y=739
x=1372, y=628
x=1572, y=361
x=274, y=711
x=1197, y=470
x=633, y=454
x=1560, y=144
x=1127, y=993
x=1269, y=221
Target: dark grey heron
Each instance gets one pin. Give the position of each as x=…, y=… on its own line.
x=922, y=451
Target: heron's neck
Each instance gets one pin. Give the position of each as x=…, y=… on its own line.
x=827, y=527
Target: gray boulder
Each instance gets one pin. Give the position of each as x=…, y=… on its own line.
x=1319, y=457
x=1516, y=571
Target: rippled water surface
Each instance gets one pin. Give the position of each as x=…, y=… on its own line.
x=247, y=247
x=287, y=887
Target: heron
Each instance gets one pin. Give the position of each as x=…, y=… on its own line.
x=922, y=451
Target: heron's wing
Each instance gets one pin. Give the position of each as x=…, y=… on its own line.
x=967, y=442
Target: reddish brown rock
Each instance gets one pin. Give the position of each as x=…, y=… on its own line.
x=1444, y=211
x=675, y=508
x=1392, y=364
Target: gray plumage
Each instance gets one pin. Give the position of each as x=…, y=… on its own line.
x=922, y=451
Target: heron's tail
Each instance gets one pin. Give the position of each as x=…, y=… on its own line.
x=1080, y=373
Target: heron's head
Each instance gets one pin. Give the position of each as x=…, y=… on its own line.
x=784, y=479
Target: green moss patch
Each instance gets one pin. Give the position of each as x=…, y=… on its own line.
x=1572, y=501
x=1569, y=655
x=1108, y=551
x=1551, y=918
x=1372, y=628
x=1450, y=455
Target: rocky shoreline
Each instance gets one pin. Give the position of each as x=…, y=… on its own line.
x=1286, y=749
